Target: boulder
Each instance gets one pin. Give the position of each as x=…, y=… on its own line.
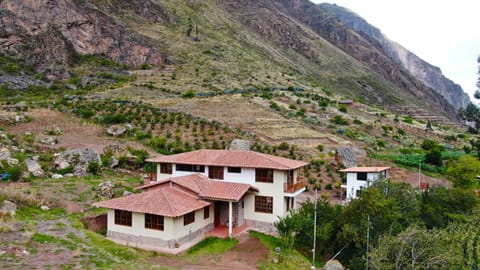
x=4, y=154
x=239, y=144
x=57, y=176
x=105, y=190
x=8, y=208
x=49, y=141
x=333, y=265
x=116, y=130
x=346, y=156
x=115, y=149
x=78, y=158
x=12, y=161
x=20, y=118
x=113, y=162
x=44, y=207
x=33, y=167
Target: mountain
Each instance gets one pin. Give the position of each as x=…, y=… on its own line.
x=430, y=75
x=230, y=45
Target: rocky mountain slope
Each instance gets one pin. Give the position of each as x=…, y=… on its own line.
x=428, y=74
x=231, y=45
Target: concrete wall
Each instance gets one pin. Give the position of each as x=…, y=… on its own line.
x=274, y=190
x=353, y=185
x=174, y=233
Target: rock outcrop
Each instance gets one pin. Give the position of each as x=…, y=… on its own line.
x=34, y=167
x=78, y=159
x=49, y=33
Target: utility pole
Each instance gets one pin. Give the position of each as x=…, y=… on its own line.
x=314, y=232
x=420, y=175
x=368, y=240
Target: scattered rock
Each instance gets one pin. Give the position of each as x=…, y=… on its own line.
x=116, y=130
x=49, y=141
x=8, y=208
x=57, y=176
x=239, y=144
x=4, y=154
x=128, y=126
x=12, y=161
x=33, y=167
x=113, y=162
x=105, y=190
x=20, y=118
x=114, y=149
x=44, y=208
x=69, y=175
x=78, y=158
x=127, y=193
x=333, y=265
x=21, y=106
x=346, y=156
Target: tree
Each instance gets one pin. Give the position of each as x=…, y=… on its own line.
x=464, y=171
x=434, y=157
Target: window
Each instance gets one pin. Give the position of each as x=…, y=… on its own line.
x=154, y=222
x=189, y=218
x=362, y=176
x=264, y=175
x=123, y=217
x=215, y=172
x=166, y=168
x=206, y=212
x=264, y=204
x=190, y=168
x=234, y=170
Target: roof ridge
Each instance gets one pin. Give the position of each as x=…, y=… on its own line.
x=167, y=200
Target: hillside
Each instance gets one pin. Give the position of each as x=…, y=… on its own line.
x=247, y=44
x=430, y=75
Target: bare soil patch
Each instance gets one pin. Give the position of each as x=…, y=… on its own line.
x=76, y=132
x=245, y=255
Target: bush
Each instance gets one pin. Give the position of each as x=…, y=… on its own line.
x=284, y=146
x=339, y=120
x=434, y=157
x=15, y=173
x=429, y=144
x=93, y=167
x=320, y=147
x=343, y=108
x=189, y=94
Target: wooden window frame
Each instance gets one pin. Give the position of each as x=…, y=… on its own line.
x=166, y=168
x=189, y=168
x=122, y=217
x=206, y=212
x=154, y=222
x=363, y=174
x=264, y=175
x=234, y=169
x=216, y=172
x=264, y=204
x=189, y=218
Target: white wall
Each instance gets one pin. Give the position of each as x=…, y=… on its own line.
x=353, y=185
x=274, y=190
x=173, y=227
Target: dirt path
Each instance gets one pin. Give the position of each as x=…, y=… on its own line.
x=245, y=255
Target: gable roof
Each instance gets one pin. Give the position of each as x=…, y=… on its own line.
x=168, y=199
x=164, y=201
x=231, y=158
x=207, y=188
x=365, y=169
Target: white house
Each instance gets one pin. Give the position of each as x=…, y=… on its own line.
x=194, y=192
x=359, y=178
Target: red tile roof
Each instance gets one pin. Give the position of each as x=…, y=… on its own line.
x=365, y=169
x=165, y=200
x=207, y=188
x=231, y=158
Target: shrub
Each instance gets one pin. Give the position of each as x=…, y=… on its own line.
x=343, y=108
x=339, y=120
x=189, y=94
x=408, y=120
x=434, y=157
x=93, y=167
x=15, y=173
x=429, y=144
x=284, y=146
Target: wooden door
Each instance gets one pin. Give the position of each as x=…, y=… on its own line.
x=216, y=215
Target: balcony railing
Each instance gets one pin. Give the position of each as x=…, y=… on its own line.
x=294, y=187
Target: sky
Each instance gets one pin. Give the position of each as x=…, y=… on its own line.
x=440, y=32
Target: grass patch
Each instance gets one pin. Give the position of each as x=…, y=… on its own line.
x=286, y=259
x=212, y=245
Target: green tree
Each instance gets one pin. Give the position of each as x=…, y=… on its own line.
x=463, y=172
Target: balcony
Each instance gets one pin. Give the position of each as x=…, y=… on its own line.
x=293, y=188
